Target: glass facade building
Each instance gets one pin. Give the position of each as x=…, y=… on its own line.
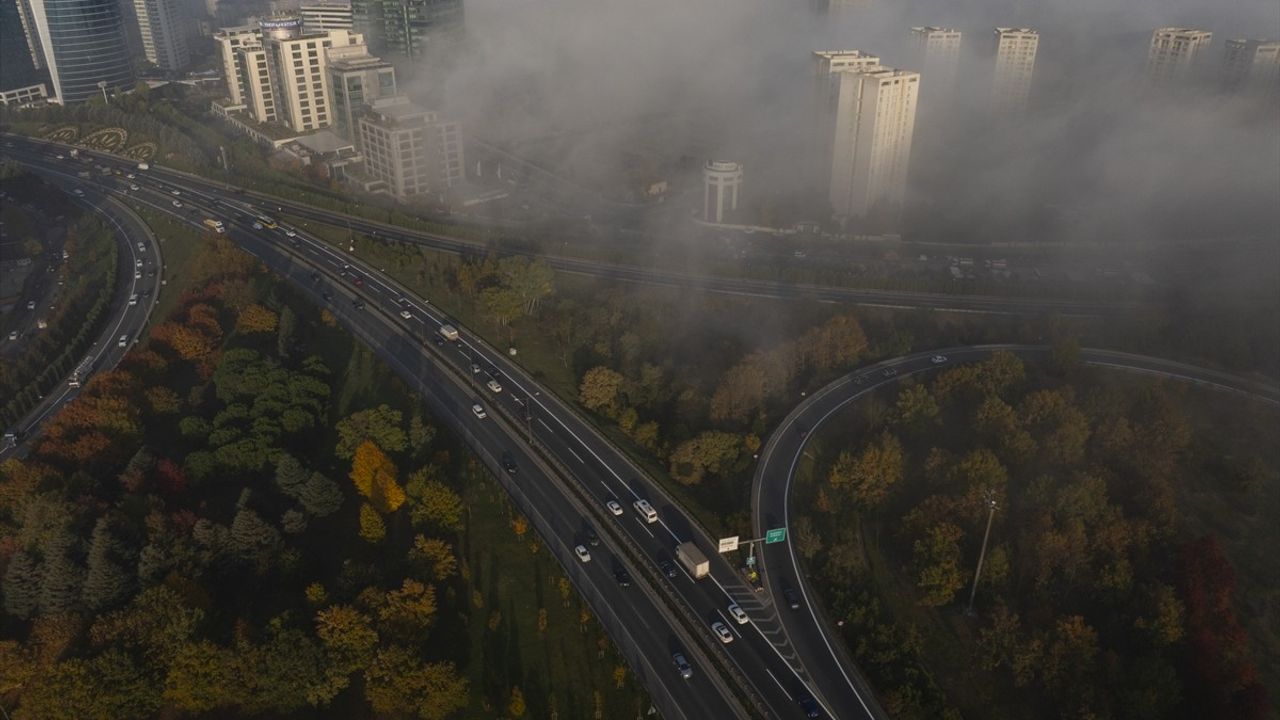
x=84, y=45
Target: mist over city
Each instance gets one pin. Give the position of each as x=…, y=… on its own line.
x=683, y=359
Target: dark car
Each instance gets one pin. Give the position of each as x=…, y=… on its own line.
x=803, y=430
x=439, y=341
x=357, y=281
x=682, y=665
x=315, y=277
x=889, y=372
x=326, y=295
x=810, y=707
x=668, y=568
x=592, y=538
x=792, y=597
x=623, y=577
x=357, y=304
x=509, y=464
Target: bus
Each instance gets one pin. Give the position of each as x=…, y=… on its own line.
x=267, y=222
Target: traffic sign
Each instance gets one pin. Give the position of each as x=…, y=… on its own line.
x=728, y=544
x=776, y=535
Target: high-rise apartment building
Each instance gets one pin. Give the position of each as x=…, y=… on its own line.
x=721, y=182
x=164, y=29
x=410, y=149
x=83, y=45
x=1015, y=63
x=408, y=28
x=1175, y=53
x=869, y=114
x=1253, y=65
x=356, y=79
x=325, y=16
x=937, y=52
x=279, y=73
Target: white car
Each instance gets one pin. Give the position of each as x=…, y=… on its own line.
x=13, y=334
x=177, y=203
x=137, y=263
x=738, y=614
x=938, y=359
x=133, y=187
x=31, y=304
x=175, y=191
x=257, y=226
x=406, y=314
x=583, y=554
x=141, y=248
x=722, y=632
x=123, y=341
x=133, y=299
x=131, y=176
x=645, y=510
x=493, y=386
x=290, y=233
x=78, y=192
x=137, y=274
x=479, y=411
x=475, y=369
x=614, y=507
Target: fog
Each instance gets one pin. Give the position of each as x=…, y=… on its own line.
x=1098, y=156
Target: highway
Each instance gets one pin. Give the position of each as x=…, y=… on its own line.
x=140, y=271
x=808, y=629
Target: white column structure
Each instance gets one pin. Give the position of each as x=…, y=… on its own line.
x=721, y=182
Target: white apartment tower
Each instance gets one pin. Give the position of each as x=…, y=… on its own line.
x=937, y=51
x=410, y=149
x=721, y=182
x=1015, y=64
x=869, y=119
x=1175, y=52
x=164, y=31
x=320, y=17
x=1253, y=65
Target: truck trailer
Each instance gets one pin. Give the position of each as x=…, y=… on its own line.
x=693, y=560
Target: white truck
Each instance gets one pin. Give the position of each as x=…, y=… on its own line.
x=81, y=372
x=449, y=332
x=693, y=560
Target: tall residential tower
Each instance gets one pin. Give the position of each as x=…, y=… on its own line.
x=1175, y=53
x=1015, y=63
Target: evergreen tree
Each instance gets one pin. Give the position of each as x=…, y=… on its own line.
x=291, y=477
x=252, y=538
x=63, y=575
x=320, y=496
x=108, y=580
x=22, y=583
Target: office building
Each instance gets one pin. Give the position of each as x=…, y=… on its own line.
x=1176, y=53
x=164, y=28
x=408, y=29
x=278, y=73
x=937, y=54
x=721, y=182
x=1015, y=63
x=83, y=45
x=1253, y=65
x=869, y=114
x=320, y=17
x=356, y=79
x=409, y=149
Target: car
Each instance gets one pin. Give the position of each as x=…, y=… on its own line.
x=175, y=192
x=257, y=226
x=123, y=341
x=623, y=577
x=141, y=248
x=738, y=614
x=508, y=463
x=60, y=157
x=315, y=277
x=406, y=315
x=31, y=304
x=13, y=334
x=151, y=273
x=133, y=299
x=938, y=359
x=614, y=507
x=682, y=666
x=439, y=341
x=494, y=386
x=722, y=631
x=582, y=552
x=137, y=274
x=289, y=232
x=668, y=568
x=802, y=430
x=357, y=304
x=295, y=243
x=137, y=263
x=133, y=187
x=132, y=176
x=590, y=534
x=889, y=372
x=475, y=368
x=810, y=707
x=357, y=281
x=645, y=510
x=78, y=192
x=177, y=203
x=326, y=295
x=792, y=597
x=478, y=411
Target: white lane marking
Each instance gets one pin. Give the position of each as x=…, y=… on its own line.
x=780, y=687
x=577, y=456
x=642, y=527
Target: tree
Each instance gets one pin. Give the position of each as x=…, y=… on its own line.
x=410, y=610
x=108, y=580
x=283, y=674
x=348, y=638
x=201, y=677
x=157, y=622
x=397, y=682
x=916, y=408
x=372, y=529
x=290, y=475
x=434, y=503
x=22, y=583
x=710, y=452
x=256, y=319
x=434, y=556
x=254, y=539
x=381, y=425
x=516, y=707
x=286, y=332
x=937, y=561
x=872, y=473
x=502, y=304
x=374, y=476
x=1070, y=655
x=531, y=281
x=162, y=400
x=320, y=496
x=741, y=391
x=600, y=389
x=1163, y=616
x=63, y=575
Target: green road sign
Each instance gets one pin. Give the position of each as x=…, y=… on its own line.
x=775, y=535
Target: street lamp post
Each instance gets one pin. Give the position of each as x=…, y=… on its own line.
x=991, y=513
x=102, y=85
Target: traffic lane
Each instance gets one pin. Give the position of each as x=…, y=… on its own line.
x=453, y=403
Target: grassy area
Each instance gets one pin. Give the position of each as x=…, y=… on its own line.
x=179, y=246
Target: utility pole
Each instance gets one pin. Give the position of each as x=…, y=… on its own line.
x=991, y=513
